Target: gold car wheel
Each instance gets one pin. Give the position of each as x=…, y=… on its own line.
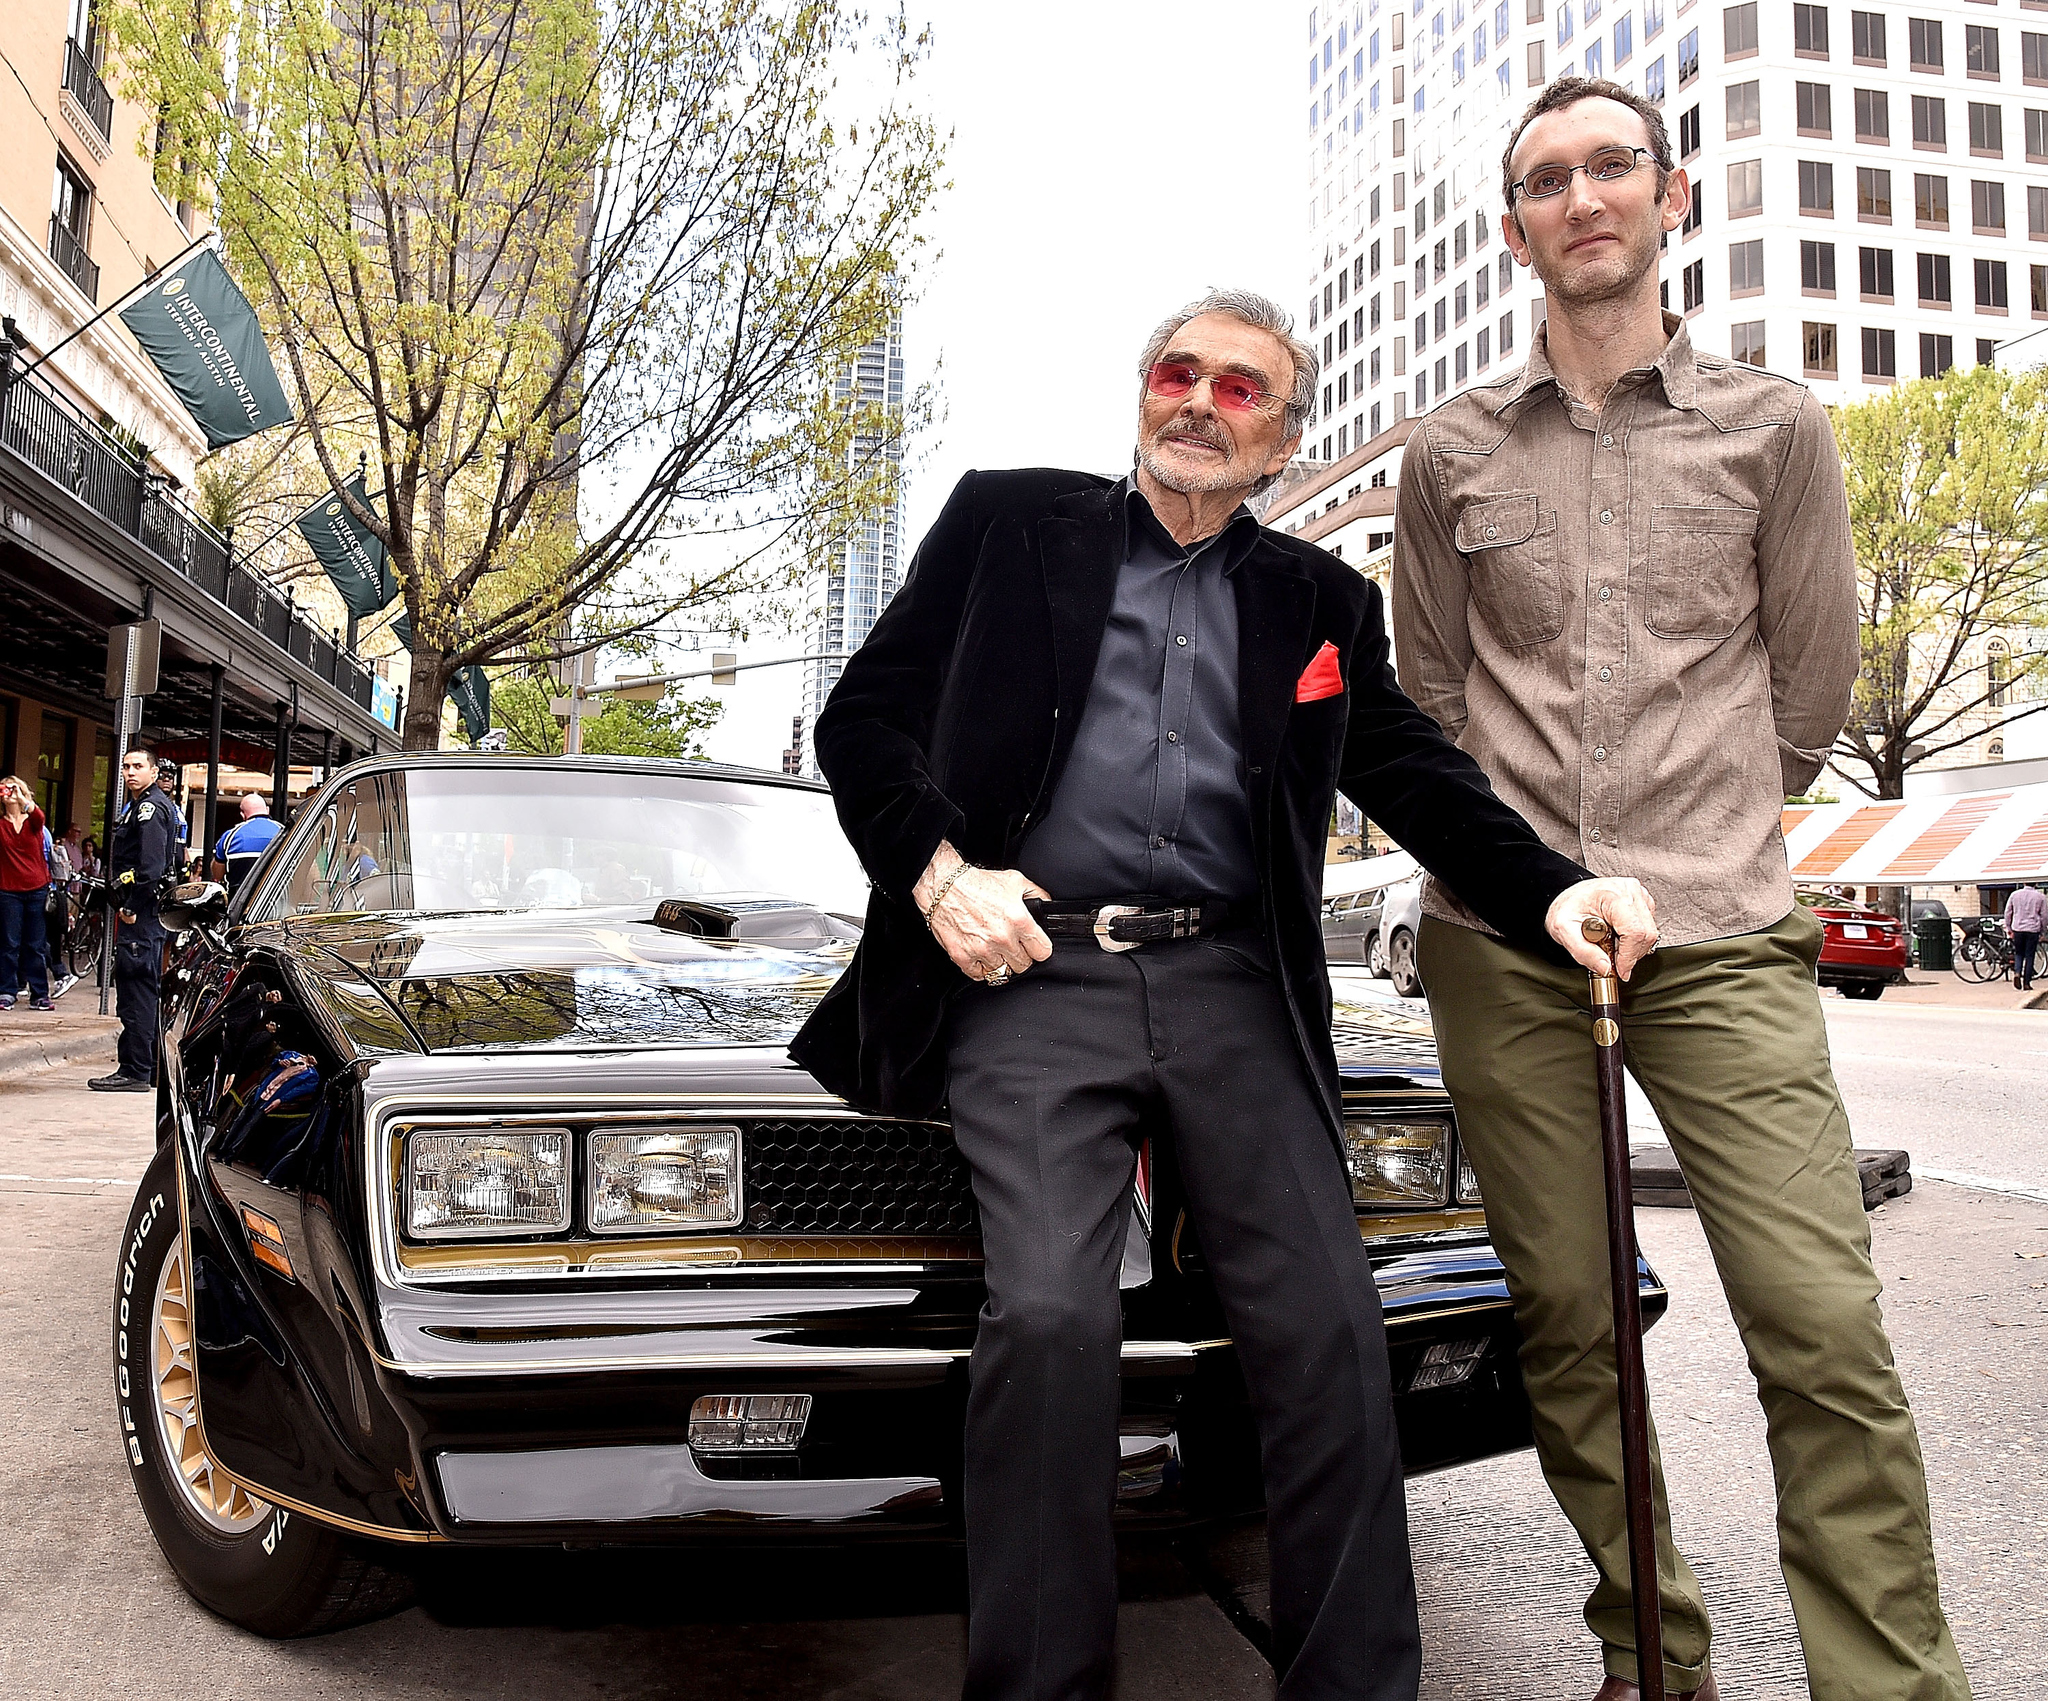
x=212, y=1496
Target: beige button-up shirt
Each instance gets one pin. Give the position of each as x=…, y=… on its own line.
x=1641, y=623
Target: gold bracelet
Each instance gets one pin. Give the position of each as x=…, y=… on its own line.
x=945, y=885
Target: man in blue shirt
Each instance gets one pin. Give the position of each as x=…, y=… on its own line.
x=242, y=846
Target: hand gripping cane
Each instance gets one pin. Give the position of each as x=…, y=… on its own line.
x=1628, y=1319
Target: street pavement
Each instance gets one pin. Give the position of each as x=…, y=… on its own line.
x=89, y=1610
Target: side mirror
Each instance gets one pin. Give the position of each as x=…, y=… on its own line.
x=193, y=903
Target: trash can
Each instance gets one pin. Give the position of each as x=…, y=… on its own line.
x=1936, y=942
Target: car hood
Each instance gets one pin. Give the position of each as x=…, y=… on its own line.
x=571, y=982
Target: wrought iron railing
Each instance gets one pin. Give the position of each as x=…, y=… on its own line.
x=116, y=483
x=70, y=254
x=82, y=78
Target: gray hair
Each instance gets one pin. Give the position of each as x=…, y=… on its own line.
x=1262, y=314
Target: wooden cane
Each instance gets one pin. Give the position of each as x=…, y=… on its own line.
x=1628, y=1319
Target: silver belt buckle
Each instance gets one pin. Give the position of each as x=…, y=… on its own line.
x=1107, y=914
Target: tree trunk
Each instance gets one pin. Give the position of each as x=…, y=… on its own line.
x=423, y=699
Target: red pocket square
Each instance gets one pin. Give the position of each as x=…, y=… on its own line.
x=1320, y=678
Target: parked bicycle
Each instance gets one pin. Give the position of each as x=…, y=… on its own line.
x=88, y=925
x=1983, y=950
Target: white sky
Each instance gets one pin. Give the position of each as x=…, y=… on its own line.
x=1109, y=161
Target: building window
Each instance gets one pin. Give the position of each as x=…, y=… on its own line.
x=1991, y=286
x=1934, y=280
x=1688, y=57
x=1693, y=283
x=1460, y=246
x=2037, y=290
x=2034, y=58
x=1818, y=357
x=1624, y=41
x=1482, y=349
x=1923, y=43
x=2037, y=136
x=1930, y=201
x=1746, y=342
x=1688, y=132
x=1460, y=368
x=2037, y=211
x=1738, y=31
x=1746, y=268
x=1442, y=377
x=1745, y=110
x=1866, y=37
x=1376, y=368
x=1653, y=19
x=1880, y=353
x=1937, y=354
x=1987, y=130
x=1400, y=356
x=1817, y=268
x=1442, y=314
x=1564, y=23
x=1482, y=290
x=1653, y=81
x=1874, y=272
x=1535, y=64
x=1996, y=664
x=1745, y=188
x=1987, y=208
x=1980, y=50
x=1873, y=117
x=1930, y=122
x=1816, y=109
x=1507, y=335
x=1874, y=194
x=1810, y=32
x=1987, y=350
x=1506, y=272
x=1463, y=305
x=1816, y=189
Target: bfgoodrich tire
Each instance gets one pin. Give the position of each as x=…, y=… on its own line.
x=264, y=1567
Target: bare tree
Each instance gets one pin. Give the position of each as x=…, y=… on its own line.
x=1948, y=504
x=578, y=275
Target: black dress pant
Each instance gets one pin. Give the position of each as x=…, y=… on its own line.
x=1049, y=1079
x=138, y=971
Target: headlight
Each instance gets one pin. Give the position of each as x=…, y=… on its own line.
x=1397, y=1163
x=488, y=1182
x=665, y=1178
x=1468, y=1183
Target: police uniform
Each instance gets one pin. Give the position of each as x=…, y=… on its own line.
x=242, y=846
x=145, y=848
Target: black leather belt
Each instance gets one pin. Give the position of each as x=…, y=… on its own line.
x=1124, y=927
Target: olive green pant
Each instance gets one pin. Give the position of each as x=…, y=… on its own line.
x=1727, y=1040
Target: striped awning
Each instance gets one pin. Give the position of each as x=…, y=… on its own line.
x=1974, y=838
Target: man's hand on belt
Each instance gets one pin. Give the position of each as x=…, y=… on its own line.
x=979, y=917
x=1623, y=904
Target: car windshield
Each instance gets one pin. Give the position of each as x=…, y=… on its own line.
x=541, y=836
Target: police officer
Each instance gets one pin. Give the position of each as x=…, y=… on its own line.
x=241, y=847
x=145, y=848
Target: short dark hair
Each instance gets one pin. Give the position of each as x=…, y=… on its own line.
x=148, y=750
x=1569, y=91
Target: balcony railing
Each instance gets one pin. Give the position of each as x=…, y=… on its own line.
x=114, y=482
x=70, y=253
x=82, y=78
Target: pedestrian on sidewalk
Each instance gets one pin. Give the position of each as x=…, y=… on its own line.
x=24, y=889
x=241, y=847
x=2023, y=913
x=1624, y=582
x=57, y=915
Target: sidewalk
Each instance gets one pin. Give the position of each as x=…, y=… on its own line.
x=75, y=1032
x=1949, y=990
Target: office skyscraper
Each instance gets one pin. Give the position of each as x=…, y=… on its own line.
x=862, y=573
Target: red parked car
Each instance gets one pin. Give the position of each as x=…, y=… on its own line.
x=1865, y=949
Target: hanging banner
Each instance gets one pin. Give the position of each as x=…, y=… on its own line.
x=350, y=553
x=470, y=690
x=401, y=629
x=202, y=334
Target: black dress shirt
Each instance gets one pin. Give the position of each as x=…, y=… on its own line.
x=1152, y=799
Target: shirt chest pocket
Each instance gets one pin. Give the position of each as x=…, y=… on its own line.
x=1510, y=550
x=1702, y=577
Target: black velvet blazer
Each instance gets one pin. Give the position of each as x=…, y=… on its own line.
x=955, y=717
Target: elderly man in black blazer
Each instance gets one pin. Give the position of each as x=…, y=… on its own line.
x=1088, y=757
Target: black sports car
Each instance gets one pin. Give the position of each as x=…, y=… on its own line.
x=489, y=1209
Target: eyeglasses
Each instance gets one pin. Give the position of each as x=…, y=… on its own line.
x=1231, y=391
x=1608, y=165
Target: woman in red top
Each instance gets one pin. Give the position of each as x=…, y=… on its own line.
x=24, y=889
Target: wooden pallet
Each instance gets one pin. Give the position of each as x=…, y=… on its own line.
x=1658, y=1181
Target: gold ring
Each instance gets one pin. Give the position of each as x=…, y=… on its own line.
x=998, y=976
